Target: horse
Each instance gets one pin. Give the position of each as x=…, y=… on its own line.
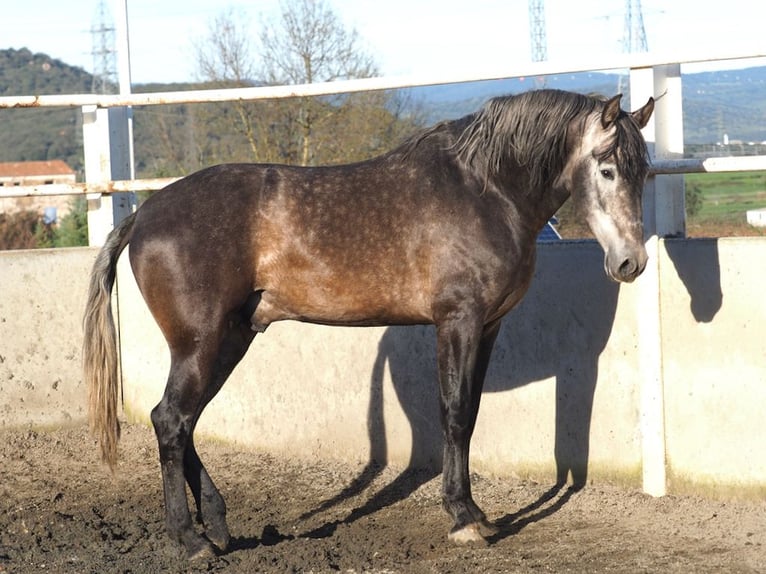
x=440, y=230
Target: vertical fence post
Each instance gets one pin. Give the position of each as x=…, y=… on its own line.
x=652, y=400
x=670, y=204
x=108, y=156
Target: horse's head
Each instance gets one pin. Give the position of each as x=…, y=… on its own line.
x=608, y=169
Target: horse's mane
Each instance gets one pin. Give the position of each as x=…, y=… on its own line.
x=531, y=129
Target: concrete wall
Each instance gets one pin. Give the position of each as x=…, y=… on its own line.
x=563, y=395
x=713, y=302
x=564, y=391
x=42, y=296
x=356, y=393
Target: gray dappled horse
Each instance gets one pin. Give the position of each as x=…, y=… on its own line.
x=440, y=230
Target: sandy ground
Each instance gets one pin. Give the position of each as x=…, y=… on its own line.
x=61, y=511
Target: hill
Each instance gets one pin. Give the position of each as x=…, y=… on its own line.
x=48, y=133
x=726, y=102
x=715, y=103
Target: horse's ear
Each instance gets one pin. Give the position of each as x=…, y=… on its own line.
x=641, y=116
x=611, y=111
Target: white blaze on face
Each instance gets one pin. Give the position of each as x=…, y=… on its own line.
x=608, y=236
x=610, y=209
x=602, y=190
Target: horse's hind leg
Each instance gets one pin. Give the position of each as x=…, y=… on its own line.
x=174, y=419
x=211, y=508
x=197, y=372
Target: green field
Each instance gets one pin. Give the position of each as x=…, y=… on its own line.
x=726, y=196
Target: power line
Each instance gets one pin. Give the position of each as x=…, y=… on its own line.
x=537, y=34
x=103, y=52
x=634, y=34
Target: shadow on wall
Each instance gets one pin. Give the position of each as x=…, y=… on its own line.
x=558, y=330
x=697, y=264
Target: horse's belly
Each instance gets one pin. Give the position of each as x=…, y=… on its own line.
x=342, y=303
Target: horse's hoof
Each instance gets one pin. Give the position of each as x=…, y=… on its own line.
x=202, y=551
x=219, y=537
x=469, y=534
x=221, y=543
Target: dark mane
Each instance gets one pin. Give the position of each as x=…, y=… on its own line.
x=444, y=135
x=629, y=149
x=530, y=129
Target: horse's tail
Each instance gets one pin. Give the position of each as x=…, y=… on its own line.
x=100, y=343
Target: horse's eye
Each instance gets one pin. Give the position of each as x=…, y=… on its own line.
x=607, y=174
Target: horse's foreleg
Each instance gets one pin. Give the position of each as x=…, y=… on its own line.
x=463, y=353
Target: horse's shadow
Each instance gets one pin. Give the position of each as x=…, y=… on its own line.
x=568, y=312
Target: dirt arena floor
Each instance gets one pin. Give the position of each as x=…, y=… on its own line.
x=61, y=511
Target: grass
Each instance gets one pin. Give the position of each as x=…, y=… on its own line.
x=728, y=194
x=725, y=198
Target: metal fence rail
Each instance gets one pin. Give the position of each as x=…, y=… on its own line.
x=106, y=187
x=658, y=167
x=479, y=73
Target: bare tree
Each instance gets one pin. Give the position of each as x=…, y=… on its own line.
x=224, y=60
x=225, y=55
x=309, y=44
x=305, y=43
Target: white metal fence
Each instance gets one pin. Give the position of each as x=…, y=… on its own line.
x=108, y=143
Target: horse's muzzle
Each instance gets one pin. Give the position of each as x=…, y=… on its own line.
x=626, y=267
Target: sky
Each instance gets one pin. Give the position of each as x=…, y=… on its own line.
x=405, y=37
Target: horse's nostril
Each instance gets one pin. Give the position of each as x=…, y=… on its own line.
x=628, y=268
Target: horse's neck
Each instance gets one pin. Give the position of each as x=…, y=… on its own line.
x=550, y=202
x=536, y=205
x=553, y=199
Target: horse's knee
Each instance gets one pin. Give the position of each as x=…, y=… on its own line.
x=458, y=429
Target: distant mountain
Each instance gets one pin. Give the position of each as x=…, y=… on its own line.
x=23, y=73
x=455, y=100
x=727, y=102
x=715, y=103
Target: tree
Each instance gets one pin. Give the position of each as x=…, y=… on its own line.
x=72, y=231
x=19, y=230
x=225, y=61
x=307, y=43
x=693, y=199
x=310, y=44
